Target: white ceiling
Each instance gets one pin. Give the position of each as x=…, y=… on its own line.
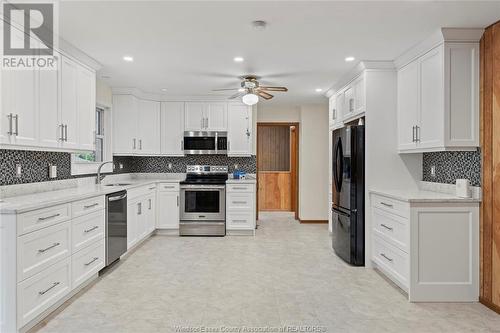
x=188, y=47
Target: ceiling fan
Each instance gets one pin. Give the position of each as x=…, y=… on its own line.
x=250, y=90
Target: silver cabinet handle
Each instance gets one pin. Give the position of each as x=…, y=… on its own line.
x=140, y=144
x=386, y=204
x=169, y=186
x=66, y=132
x=10, y=132
x=55, y=284
x=351, y=104
x=91, y=261
x=133, y=143
x=16, y=117
x=90, y=206
x=62, y=132
x=417, y=135
x=150, y=205
x=48, y=217
x=228, y=145
x=239, y=188
x=177, y=201
x=91, y=229
x=239, y=202
x=386, y=257
x=385, y=226
x=48, y=248
x=413, y=134
x=139, y=208
x=152, y=188
x=182, y=144
x=244, y=221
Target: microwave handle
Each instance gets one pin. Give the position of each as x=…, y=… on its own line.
x=216, y=141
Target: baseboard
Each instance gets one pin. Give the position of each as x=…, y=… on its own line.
x=314, y=221
x=489, y=304
x=167, y=232
x=240, y=232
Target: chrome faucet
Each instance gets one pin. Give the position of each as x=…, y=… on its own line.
x=98, y=178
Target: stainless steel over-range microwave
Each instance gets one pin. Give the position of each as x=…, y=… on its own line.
x=205, y=142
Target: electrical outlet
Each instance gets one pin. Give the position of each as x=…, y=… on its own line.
x=52, y=171
x=19, y=170
x=169, y=165
x=433, y=171
x=236, y=167
x=120, y=165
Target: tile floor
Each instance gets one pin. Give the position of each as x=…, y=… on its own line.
x=286, y=275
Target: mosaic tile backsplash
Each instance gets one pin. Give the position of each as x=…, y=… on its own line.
x=453, y=165
x=35, y=165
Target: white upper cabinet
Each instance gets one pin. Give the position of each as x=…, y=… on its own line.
x=172, y=128
x=239, y=130
x=206, y=116
x=348, y=102
x=335, y=117
x=136, y=126
x=49, y=109
x=149, y=127
x=125, y=110
x=438, y=94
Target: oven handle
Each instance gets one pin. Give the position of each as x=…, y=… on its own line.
x=202, y=188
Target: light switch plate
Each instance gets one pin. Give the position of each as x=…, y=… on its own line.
x=19, y=170
x=433, y=171
x=52, y=171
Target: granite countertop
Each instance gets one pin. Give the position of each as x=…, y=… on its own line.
x=249, y=179
x=28, y=202
x=423, y=196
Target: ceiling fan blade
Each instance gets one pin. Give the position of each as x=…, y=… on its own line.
x=227, y=89
x=238, y=94
x=264, y=95
x=284, y=89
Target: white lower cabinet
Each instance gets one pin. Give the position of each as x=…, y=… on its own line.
x=240, y=208
x=88, y=262
x=37, y=293
x=141, y=214
x=133, y=212
x=428, y=248
x=87, y=229
x=168, y=206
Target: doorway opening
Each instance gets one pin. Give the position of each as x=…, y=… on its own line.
x=277, y=167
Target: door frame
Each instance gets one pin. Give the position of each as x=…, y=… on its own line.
x=294, y=163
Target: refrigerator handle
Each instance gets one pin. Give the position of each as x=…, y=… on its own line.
x=339, y=156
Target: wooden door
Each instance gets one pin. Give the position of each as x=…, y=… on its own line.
x=277, y=167
x=490, y=148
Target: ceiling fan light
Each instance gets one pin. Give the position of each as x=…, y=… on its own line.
x=250, y=99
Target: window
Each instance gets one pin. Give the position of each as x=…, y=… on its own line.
x=87, y=162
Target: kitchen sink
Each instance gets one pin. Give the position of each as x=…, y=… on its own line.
x=118, y=184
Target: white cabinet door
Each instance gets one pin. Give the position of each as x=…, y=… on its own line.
x=239, y=130
x=69, y=104
x=359, y=94
x=172, y=128
x=86, y=105
x=430, y=131
x=340, y=99
x=133, y=210
x=194, y=119
x=216, y=116
x=168, y=210
x=348, y=102
x=408, y=88
x=50, y=130
x=125, y=109
x=148, y=127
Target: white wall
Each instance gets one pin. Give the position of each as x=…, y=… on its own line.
x=313, y=165
x=313, y=153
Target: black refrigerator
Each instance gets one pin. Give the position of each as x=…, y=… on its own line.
x=348, y=194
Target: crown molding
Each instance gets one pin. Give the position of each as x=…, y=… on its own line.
x=443, y=35
x=361, y=67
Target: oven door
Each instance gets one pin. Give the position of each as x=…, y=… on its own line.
x=203, y=203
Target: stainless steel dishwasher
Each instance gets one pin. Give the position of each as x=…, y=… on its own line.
x=116, y=226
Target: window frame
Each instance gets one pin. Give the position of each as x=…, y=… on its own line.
x=84, y=168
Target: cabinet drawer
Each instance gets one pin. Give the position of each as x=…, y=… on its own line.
x=42, y=248
x=42, y=218
x=236, y=200
x=392, y=228
x=87, y=229
x=168, y=187
x=87, y=206
x=39, y=292
x=400, y=208
x=240, y=220
x=141, y=191
x=87, y=262
x=391, y=261
x=240, y=187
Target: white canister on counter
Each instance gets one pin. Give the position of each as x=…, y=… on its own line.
x=463, y=188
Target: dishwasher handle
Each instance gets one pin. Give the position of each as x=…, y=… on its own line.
x=120, y=197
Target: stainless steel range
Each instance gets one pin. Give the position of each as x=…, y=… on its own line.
x=203, y=201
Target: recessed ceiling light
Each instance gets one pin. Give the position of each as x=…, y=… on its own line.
x=163, y=89
x=319, y=90
x=259, y=25
x=349, y=59
x=238, y=59
x=128, y=58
